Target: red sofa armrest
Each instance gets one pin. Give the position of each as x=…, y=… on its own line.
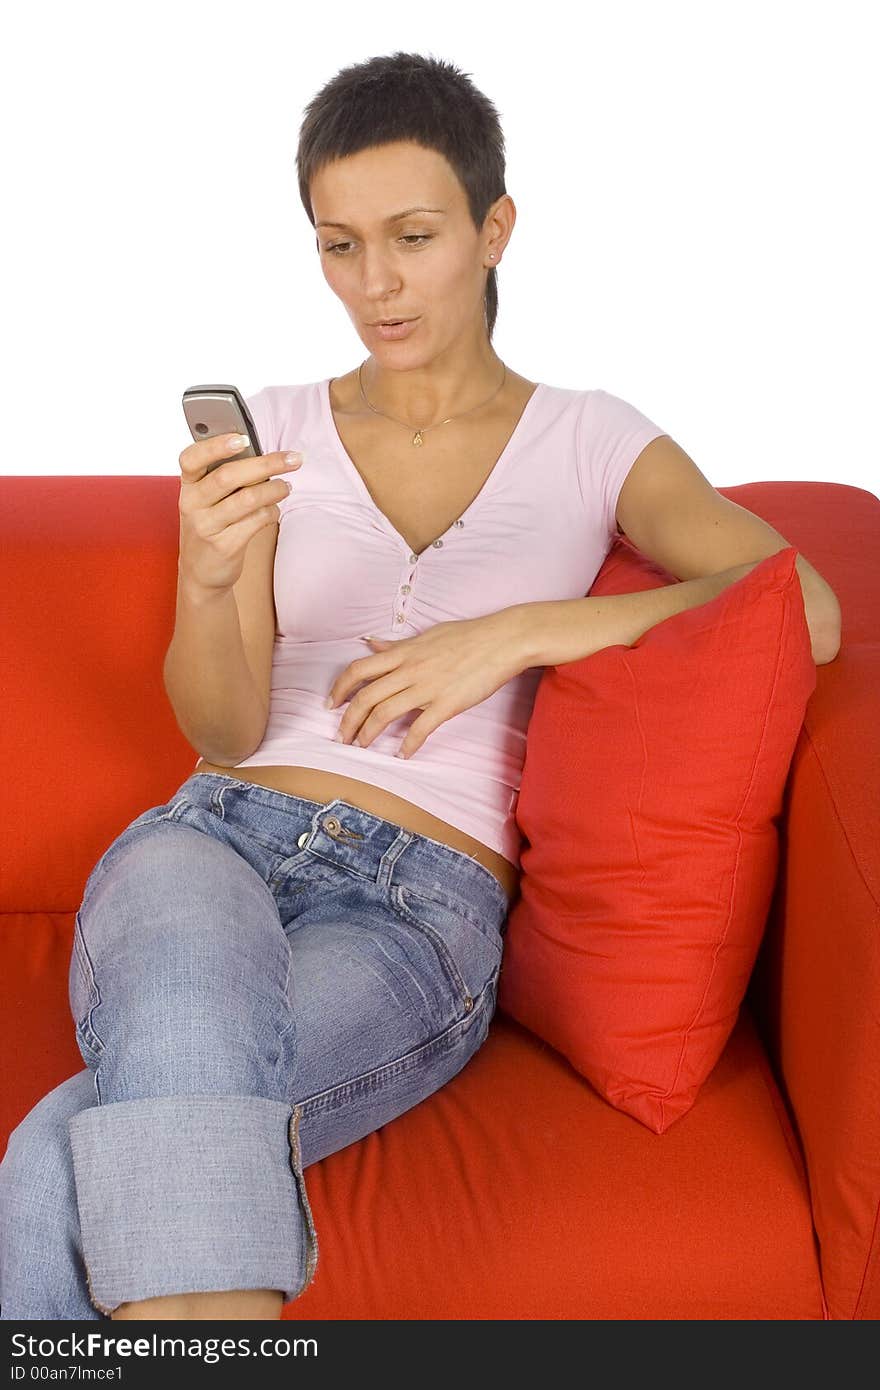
x=815, y=990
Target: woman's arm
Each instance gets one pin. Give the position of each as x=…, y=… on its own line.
x=552, y=633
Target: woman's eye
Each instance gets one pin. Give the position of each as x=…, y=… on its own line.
x=339, y=246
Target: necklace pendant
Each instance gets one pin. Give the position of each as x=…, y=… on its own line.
x=417, y=437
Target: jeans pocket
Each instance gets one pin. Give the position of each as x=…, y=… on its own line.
x=469, y=950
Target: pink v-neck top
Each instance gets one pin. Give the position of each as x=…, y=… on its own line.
x=538, y=530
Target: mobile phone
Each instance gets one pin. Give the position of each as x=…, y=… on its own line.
x=213, y=410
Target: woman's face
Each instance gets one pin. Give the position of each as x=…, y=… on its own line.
x=429, y=265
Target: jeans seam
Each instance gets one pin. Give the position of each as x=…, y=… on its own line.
x=102, y=1308
x=289, y=1027
x=311, y=1233
x=84, y=1027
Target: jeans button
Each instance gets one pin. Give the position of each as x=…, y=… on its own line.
x=302, y=839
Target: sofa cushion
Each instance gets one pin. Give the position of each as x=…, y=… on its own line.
x=544, y=1201
x=653, y=780
x=515, y=1192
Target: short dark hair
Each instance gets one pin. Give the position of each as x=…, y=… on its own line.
x=408, y=96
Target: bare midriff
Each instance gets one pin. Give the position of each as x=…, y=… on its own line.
x=316, y=785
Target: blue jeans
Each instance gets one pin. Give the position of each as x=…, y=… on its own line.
x=256, y=980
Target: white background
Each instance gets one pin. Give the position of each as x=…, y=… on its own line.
x=697, y=217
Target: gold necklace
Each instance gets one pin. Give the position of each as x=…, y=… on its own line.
x=417, y=437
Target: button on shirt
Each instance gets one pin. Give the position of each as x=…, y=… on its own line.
x=539, y=529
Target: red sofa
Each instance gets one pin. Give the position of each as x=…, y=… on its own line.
x=515, y=1191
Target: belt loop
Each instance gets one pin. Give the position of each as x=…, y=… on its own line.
x=390, y=857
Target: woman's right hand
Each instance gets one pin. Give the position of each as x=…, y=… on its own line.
x=216, y=520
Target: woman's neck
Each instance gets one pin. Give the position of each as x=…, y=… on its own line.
x=426, y=396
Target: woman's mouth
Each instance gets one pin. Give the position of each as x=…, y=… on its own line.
x=392, y=331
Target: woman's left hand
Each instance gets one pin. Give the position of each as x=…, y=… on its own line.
x=441, y=671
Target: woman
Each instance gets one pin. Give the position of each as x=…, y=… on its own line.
x=306, y=940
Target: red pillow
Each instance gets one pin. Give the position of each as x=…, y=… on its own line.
x=653, y=777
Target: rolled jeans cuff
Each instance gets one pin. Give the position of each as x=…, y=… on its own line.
x=189, y=1194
